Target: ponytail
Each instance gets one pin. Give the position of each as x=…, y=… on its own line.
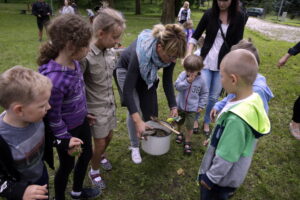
x=47, y=52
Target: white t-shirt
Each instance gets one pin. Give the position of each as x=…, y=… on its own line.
x=67, y=10
x=211, y=60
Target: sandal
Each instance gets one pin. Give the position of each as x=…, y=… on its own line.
x=294, y=131
x=187, y=148
x=196, y=130
x=179, y=138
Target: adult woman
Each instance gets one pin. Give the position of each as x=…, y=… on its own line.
x=67, y=8
x=137, y=76
x=224, y=25
x=184, y=13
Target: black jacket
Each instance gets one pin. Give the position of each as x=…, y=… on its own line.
x=41, y=8
x=211, y=25
x=10, y=185
x=295, y=49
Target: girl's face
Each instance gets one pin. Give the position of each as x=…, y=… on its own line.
x=224, y=4
x=109, y=39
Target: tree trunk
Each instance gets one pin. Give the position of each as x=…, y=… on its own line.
x=168, y=12
x=137, y=7
x=177, y=7
x=5, y=1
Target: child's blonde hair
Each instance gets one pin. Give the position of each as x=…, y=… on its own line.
x=242, y=63
x=188, y=24
x=186, y=4
x=65, y=29
x=193, y=63
x=248, y=45
x=108, y=20
x=23, y=85
x=172, y=38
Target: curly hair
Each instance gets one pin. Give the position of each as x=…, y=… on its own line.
x=61, y=30
x=172, y=38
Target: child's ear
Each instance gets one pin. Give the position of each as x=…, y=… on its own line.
x=17, y=109
x=100, y=33
x=234, y=79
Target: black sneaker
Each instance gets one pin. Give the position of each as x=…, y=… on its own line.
x=87, y=193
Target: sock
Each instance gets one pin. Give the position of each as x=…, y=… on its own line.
x=104, y=160
x=93, y=172
x=77, y=194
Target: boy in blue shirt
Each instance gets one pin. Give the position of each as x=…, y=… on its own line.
x=242, y=120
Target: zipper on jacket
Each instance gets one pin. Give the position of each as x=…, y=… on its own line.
x=187, y=97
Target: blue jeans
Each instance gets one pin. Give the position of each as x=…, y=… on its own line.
x=214, y=86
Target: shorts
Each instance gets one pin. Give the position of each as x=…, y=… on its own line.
x=188, y=118
x=104, y=124
x=42, y=21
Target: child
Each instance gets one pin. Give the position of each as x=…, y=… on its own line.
x=69, y=37
x=24, y=96
x=192, y=97
x=189, y=30
x=184, y=13
x=242, y=120
x=98, y=67
x=259, y=86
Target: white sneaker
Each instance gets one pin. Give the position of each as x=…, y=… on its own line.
x=135, y=155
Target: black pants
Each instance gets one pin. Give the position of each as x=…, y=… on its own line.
x=296, y=111
x=216, y=193
x=67, y=162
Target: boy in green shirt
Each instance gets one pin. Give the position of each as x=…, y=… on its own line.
x=242, y=120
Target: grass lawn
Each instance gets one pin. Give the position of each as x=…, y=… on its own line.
x=274, y=173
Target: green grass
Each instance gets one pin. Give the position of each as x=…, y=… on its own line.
x=274, y=173
x=288, y=21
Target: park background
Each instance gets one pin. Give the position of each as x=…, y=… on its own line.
x=274, y=173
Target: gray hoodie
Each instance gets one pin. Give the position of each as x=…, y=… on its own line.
x=191, y=96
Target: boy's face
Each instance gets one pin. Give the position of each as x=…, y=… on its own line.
x=192, y=73
x=36, y=110
x=226, y=80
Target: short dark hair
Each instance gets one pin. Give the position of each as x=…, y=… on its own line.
x=193, y=63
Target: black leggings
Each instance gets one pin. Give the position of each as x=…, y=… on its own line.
x=67, y=162
x=296, y=111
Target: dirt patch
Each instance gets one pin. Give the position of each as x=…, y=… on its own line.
x=274, y=31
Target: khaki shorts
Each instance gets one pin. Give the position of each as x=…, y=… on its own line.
x=188, y=118
x=106, y=121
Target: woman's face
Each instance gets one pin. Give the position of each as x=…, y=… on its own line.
x=163, y=55
x=224, y=4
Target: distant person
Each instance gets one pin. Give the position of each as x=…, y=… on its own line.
x=98, y=67
x=295, y=123
x=137, y=75
x=240, y=123
x=191, y=99
x=67, y=8
x=24, y=94
x=68, y=119
x=189, y=29
x=43, y=12
x=224, y=27
x=75, y=7
x=184, y=13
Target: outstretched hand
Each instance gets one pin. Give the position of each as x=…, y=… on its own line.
x=213, y=115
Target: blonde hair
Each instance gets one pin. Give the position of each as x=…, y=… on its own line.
x=193, y=63
x=242, y=63
x=23, y=85
x=172, y=38
x=108, y=19
x=248, y=45
x=186, y=4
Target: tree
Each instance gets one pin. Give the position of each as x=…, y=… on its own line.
x=137, y=7
x=168, y=12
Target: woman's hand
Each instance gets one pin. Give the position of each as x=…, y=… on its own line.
x=283, y=60
x=91, y=118
x=173, y=112
x=140, y=125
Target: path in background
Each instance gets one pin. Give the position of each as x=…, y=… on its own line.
x=274, y=31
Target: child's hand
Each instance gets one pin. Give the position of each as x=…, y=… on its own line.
x=75, y=146
x=200, y=110
x=35, y=192
x=91, y=118
x=213, y=115
x=75, y=151
x=206, y=142
x=191, y=77
x=174, y=112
